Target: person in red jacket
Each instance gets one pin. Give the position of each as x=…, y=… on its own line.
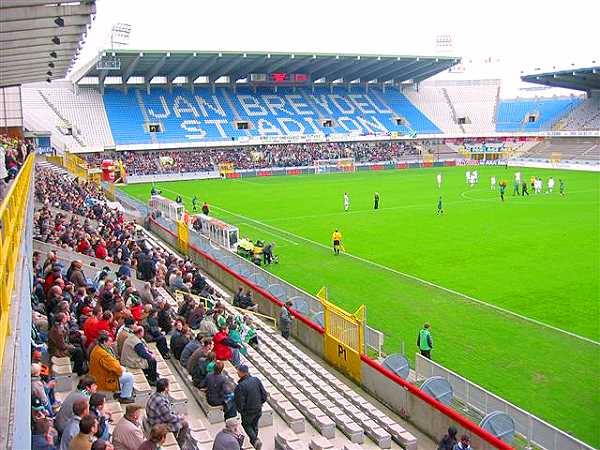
x=90, y=326
x=83, y=246
x=223, y=344
x=101, y=251
x=136, y=309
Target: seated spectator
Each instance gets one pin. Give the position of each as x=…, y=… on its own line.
x=123, y=333
x=85, y=388
x=224, y=346
x=202, y=369
x=91, y=326
x=41, y=435
x=464, y=444
x=179, y=338
x=43, y=390
x=155, y=334
x=230, y=437
x=165, y=320
x=238, y=297
x=208, y=328
x=190, y=348
x=201, y=352
x=196, y=316
x=136, y=355
x=97, y=401
x=160, y=411
x=128, y=434
x=246, y=302
x=80, y=409
x=88, y=426
x=59, y=345
x=101, y=444
x=158, y=436
x=216, y=387
x=76, y=275
x=110, y=375
x=449, y=440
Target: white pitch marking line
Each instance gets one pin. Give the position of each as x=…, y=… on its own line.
x=412, y=277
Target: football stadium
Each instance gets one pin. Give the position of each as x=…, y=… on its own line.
x=219, y=249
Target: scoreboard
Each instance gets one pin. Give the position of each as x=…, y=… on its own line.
x=279, y=78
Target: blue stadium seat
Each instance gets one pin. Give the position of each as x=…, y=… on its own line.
x=512, y=114
x=206, y=116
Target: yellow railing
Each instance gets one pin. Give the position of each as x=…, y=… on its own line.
x=12, y=216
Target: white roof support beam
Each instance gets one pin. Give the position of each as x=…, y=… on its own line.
x=226, y=69
x=131, y=68
x=28, y=14
x=36, y=24
x=203, y=68
x=248, y=69
x=180, y=69
x=42, y=42
x=36, y=50
x=390, y=74
x=156, y=68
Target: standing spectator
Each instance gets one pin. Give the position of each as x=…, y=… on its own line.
x=80, y=408
x=449, y=440
x=105, y=367
x=128, y=434
x=250, y=395
x=76, y=275
x=160, y=411
x=424, y=341
x=84, y=439
x=158, y=436
x=285, y=319
x=85, y=388
x=229, y=438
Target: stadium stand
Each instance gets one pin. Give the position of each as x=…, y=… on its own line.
x=532, y=114
x=430, y=99
x=585, y=116
x=474, y=103
x=184, y=116
x=62, y=303
x=566, y=149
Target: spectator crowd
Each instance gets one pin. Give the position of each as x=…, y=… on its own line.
x=13, y=153
x=102, y=312
x=254, y=156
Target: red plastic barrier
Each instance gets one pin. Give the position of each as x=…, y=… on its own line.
x=427, y=164
x=450, y=163
x=294, y=172
x=377, y=167
x=402, y=166
x=233, y=175
x=264, y=173
x=247, y=282
x=456, y=417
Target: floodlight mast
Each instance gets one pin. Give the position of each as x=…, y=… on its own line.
x=119, y=35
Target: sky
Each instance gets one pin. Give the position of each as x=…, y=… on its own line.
x=518, y=35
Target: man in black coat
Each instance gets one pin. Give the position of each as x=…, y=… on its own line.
x=250, y=395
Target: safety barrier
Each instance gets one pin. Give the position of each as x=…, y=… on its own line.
x=533, y=429
x=12, y=216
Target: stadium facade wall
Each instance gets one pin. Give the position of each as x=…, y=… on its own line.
x=423, y=411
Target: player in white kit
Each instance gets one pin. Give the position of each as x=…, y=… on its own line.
x=346, y=202
x=439, y=180
x=476, y=176
x=550, y=185
x=493, y=183
x=468, y=175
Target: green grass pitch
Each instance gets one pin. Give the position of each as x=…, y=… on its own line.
x=536, y=256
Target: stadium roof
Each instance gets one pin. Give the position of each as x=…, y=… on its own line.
x=585, y=79
x=40, y=39
x=238, y=65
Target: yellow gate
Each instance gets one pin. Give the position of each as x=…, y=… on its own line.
x=555, y=158
x=344, y=337
x=183, y=236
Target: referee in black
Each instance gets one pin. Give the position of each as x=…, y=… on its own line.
x=376, y=200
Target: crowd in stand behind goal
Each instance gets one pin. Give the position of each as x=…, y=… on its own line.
x=254, y=157
x=102, y=321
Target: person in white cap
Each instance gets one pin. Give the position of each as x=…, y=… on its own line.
x=230, y=437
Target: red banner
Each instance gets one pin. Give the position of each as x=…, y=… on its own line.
x=377, y=167
x=264, y=173
x=233, y=175
x=427, y=164
x=402, y=166
x=294, y=172
x=450, y=163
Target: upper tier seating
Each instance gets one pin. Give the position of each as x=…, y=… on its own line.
x=513, y=115
x=585, y=116
x=192, y=117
